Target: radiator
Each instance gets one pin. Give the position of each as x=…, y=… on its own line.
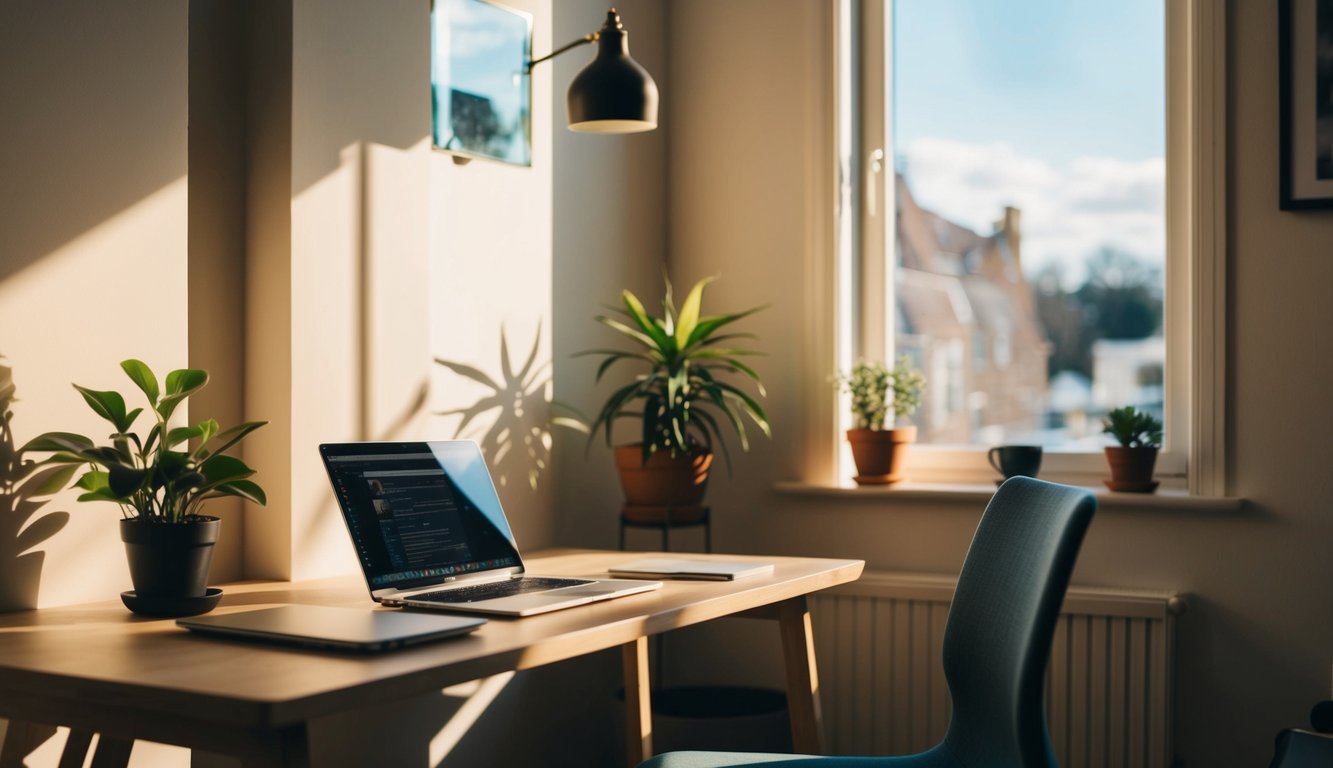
x=1108, y=687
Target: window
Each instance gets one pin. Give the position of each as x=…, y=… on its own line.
x=1050, y=243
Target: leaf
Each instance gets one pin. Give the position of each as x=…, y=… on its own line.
x=93, y=480
x=233, y=435
x=688, y=319
x=245, y=489
x=108, y=405
x=610, y=360
x=638, y=336
x=48, y=481
x=180, y=385
x=208, y=428
x=186, y=381
x=708, y=419
x=103, y=494
x=648, y=437
x=107, y=456
x=142, y=376
x=124, y=480
x=654, y=330
x=752, y=407
x=708, y=325
x=180, y=434
x=58, y=441
x=220, y=468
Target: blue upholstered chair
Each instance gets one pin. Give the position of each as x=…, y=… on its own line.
x=1296, y=748
x=996, y=643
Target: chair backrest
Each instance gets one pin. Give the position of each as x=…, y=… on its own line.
x=998, y=637
x=1296, y=748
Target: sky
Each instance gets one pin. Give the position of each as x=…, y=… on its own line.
x=1054, y=106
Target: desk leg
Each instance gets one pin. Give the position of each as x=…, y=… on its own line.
x=638, y=706
x=21, y=738
x=111, y=752
x=798, y=653
x=289, y=748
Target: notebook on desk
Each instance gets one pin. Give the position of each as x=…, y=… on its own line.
x=429, y=532
x=685, y=568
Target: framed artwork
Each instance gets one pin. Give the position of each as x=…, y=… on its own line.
x=481, y=92
x=1305, y=93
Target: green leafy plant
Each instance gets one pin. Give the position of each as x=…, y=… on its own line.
x=880, y=395
x=1133, y=428
x=155, y=477
x=680, y=395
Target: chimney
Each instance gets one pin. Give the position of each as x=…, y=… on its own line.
x=1012, y=228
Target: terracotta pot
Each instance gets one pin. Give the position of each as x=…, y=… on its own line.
x=665, y=483
x=878, y=454
x=170, y=560
x=1131, y=469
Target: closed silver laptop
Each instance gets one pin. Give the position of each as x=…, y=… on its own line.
x=429, y=532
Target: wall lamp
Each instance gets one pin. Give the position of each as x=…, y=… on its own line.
x=613, y=94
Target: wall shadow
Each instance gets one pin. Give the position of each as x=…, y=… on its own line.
x=24, y=490
x=85, y=82
x=517, y=442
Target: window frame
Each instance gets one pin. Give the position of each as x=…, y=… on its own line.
x=856, y=285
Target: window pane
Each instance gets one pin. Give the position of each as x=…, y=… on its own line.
x=1030, y=155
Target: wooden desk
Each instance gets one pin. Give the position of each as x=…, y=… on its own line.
x=98, y=668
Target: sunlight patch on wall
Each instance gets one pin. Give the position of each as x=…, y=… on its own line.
x=116, y=291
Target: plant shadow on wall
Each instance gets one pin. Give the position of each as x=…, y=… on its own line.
x=24, y=490
x=517, y=442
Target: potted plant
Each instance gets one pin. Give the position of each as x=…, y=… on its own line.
x=681, y=397
x=1140, y=435
x=881, y=396
x=161, y=485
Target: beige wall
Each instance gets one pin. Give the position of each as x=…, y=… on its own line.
x=92, y=238
x=610, y=235
x=1256, y=645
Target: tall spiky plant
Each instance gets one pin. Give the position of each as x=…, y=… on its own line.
x=682, y=393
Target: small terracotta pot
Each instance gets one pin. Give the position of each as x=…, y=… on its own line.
x=878, y=454
x=665, y=482
x=1131, y=469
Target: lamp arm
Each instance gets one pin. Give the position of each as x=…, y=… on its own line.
x=591, y=37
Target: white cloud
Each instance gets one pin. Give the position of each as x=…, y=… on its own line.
x=1068, y=212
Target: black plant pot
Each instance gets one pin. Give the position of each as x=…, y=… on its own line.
x=169, y=561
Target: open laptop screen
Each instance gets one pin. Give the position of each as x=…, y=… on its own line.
x=418, y=512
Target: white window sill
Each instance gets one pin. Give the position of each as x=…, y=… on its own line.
x=979, y=494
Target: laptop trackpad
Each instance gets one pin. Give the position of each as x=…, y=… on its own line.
x=589, y=590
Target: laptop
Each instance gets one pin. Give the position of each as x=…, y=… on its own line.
x=429, y=532
x=331, y=628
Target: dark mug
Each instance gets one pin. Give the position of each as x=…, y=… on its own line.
x=1015, y=460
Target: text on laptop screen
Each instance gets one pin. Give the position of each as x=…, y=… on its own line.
x=419, y=511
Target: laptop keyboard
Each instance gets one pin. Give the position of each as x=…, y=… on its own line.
x=496, y=589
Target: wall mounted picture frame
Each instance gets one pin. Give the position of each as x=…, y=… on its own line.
x=1305, y=94
x=481, y=91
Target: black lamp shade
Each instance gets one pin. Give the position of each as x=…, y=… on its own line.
x=613, y=94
